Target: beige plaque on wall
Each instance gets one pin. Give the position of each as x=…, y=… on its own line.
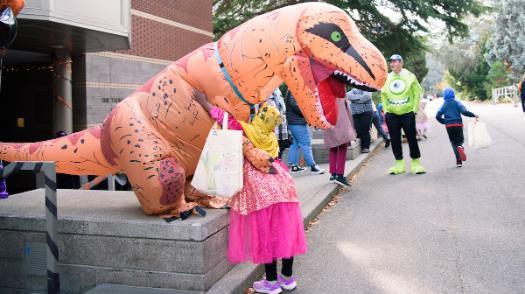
x=20, y=122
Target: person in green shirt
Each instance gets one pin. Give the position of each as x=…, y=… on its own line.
x=400, y=98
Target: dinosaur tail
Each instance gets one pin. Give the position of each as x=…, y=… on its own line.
x=76, y=154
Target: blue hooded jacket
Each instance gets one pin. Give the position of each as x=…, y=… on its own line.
x=451, y=111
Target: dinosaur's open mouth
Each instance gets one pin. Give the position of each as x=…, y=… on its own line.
x=352, y=81
x=331, y=84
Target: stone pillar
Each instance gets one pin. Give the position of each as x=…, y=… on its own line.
x=62, y=93
x=79, y=92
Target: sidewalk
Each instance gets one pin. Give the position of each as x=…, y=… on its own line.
x=315, y=191
x=452, y=230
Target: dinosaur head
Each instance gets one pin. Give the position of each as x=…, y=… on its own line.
x=332, y=54
x=309, y=46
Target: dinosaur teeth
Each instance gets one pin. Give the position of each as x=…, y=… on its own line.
x=350, y=80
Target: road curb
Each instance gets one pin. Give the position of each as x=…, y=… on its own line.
x=314, y=207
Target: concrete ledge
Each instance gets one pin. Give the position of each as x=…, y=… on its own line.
x=100, y=213
x=77, y=278
x=122, y=289
x=104, y=237
x=237, y=279
x=354, y=150
x=321, y=153
x=126, y=253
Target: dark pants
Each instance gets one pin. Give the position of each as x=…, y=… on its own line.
x=523, y=102
x=283, y=144
x=362, y=124
x=271, y=269
x=337, y=159
x=406, y=122
x=377, y=125
x=455, y=134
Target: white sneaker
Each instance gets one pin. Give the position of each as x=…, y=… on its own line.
x=316, y=170
x=263, y=286
x=287, y=284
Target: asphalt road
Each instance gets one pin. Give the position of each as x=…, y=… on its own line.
x=452, y=230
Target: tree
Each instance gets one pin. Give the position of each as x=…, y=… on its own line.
x=507, y=44
x=416, y=63
x=467, y=68
x=434, y=78
x=377, y=26
x=498, y=76
x=228, y=14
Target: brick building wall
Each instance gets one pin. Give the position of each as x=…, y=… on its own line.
x=195, y=13
x=156, y=27
x=162, y=31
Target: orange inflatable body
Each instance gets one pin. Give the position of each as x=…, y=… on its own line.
x=155, y=136
x=16, y=5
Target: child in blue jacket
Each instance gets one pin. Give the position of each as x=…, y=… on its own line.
x=450, y=115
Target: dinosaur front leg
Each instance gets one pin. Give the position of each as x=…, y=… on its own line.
x=257, y=157
x=202, y=199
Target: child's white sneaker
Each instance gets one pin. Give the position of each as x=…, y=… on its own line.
x=287, y=284
x=267, y=287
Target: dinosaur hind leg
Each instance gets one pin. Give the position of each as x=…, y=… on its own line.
x=157, y=179
x=159, y=186
x=130, y=143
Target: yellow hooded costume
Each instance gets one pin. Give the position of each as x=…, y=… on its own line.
x=260, y=130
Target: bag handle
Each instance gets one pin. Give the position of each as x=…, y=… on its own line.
x=225, y=121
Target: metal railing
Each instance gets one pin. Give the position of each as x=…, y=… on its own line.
x=46, y=171
x=509, y=93
x=46, y=177
x=85, y=184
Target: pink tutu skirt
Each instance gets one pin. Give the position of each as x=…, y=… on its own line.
x=267, y=234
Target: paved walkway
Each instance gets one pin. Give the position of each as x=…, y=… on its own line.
x=452, y=230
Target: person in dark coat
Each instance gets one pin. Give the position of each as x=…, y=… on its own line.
x=301, y=137
x=362, y=112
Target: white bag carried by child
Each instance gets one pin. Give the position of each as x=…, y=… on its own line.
x=478, y=136
x=220, y=168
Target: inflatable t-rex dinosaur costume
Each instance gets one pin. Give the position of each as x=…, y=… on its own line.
x=16, y=5
x=155, y=136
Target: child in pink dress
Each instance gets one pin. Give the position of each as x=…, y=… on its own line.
x=265, y=217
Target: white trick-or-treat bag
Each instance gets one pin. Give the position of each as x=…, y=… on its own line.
x=220, y=168
x=478, y=136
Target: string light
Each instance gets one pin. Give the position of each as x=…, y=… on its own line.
x=43, y=67
x=34, y=67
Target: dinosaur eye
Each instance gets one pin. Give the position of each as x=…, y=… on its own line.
x=332, y=33
x=335, y=36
